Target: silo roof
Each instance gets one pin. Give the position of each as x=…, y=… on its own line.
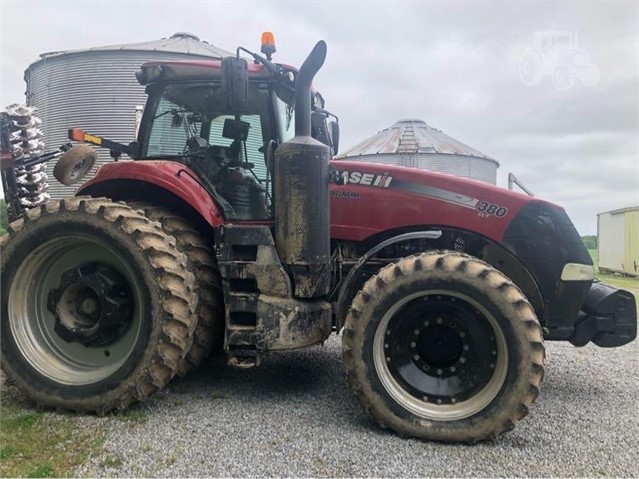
x=180, y=42
x=412, y=136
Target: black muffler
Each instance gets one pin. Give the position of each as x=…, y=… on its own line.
x=301, y=196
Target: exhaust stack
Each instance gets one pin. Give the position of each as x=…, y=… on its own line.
x=301, y=196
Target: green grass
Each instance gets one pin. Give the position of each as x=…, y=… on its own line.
x=132, y=416
x=112, y=462
x=617, y=280
x=37, y=444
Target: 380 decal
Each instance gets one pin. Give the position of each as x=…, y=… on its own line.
x=491, y=209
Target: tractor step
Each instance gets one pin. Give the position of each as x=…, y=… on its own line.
x=243, y=358
x=260, y=311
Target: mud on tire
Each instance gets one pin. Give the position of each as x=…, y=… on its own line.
x=202, y=263
x=441, y=346
x=119, y=246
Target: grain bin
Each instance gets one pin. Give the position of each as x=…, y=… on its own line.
x=618, y=241
x=413, y=143
x=95, y=89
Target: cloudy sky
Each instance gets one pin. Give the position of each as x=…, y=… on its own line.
x=454, y=65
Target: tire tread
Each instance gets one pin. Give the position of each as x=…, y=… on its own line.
x=448, y=261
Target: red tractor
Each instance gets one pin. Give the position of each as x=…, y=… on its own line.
x=232, y=229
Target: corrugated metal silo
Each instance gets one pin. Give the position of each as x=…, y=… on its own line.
x=413, y=143
x=96, y=90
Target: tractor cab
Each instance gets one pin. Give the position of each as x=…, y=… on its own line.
x=225, y=126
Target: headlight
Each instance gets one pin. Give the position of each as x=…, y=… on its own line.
x=578, y=272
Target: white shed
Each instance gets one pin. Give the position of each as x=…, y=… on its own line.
x=618, y=241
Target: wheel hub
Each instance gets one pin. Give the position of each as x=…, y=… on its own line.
x=440, y=349
x=440, y=346
x=92, y=305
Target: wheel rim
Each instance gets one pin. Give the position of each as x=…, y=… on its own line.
x=441, y=355
x=35, y=329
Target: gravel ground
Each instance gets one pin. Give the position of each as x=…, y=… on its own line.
x=294, y=416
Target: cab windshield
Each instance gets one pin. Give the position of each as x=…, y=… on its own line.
x=190, y=122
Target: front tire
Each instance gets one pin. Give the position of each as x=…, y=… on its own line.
x=97, y=305
x=443, y=347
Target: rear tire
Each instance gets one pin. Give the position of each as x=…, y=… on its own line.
x=209, y=331
x=441, y=346
x=122, y=364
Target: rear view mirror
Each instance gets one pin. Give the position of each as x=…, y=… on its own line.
x=319, y=130
x=235, y=83
x=334, y=126
x=235, y=129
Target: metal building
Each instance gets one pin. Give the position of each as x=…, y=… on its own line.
x=618, y=241
x=96, y=89
x=412, y=142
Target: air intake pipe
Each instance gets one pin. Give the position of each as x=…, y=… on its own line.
x=300, y=190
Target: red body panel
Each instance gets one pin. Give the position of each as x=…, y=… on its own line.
x=170, y=175
x=407, y=197
x=377, y=198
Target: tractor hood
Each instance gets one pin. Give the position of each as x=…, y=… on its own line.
x=381, y=197
x=376, y=199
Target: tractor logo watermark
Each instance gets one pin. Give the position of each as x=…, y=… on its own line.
x=556, y=54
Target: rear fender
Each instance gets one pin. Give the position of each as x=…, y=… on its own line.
x=165, y=183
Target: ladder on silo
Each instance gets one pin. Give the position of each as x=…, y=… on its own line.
x=408, y=147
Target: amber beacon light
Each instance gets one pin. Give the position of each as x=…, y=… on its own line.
x=268, y=44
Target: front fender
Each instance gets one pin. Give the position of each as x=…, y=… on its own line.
x=170, y=176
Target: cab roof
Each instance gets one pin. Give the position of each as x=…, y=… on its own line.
x=162, y=70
